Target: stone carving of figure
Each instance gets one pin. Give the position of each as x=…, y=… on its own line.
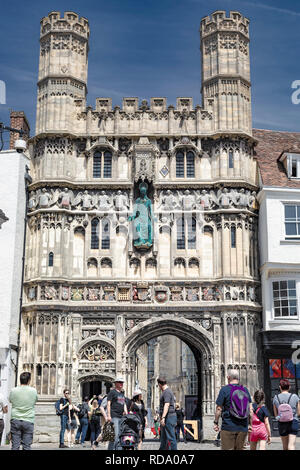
x=32, y=203
x=243, y=198
x=87, y=200
x=65, y=199
x=142, y=218
x=121, y=201
x=206, y=200
x=224, y=198
x=168, y=201
x=104, y=201
x=252, y=200
x=188, y=201
x=44, y=199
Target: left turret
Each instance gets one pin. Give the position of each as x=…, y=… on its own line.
x=62, y=80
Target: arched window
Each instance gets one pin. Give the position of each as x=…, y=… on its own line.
x=180, y=234
x=105, y=235
x=230, y=159
x=190, y=165
x=191, y=223
x=50, y=259
x=233, y=237
x=179, y=165
x=186, y=233
x=102, y=164
x=185, y=164
x=95, y=234
x=97, y=165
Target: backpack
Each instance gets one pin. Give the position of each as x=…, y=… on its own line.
x=83, y=411
x=239, y=402
x=285, y=412
x=58, y=411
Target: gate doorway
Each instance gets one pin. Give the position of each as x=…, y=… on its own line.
x=96, y=387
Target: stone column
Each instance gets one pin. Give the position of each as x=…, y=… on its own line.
x=76, y=336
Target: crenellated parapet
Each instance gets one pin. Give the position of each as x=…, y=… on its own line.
x=70, y=22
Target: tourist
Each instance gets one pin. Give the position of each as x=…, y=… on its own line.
x=260, y=426
x=64, y=416
x=72, y=423
x=23, y=400
x=286, y=407
x=116, y=408
x=83, y=416
x=137, y=407
x=3, y=411
x=168, y=417
x=233, y=403
x=156, y=424
x=179, y=425
x=95, y=421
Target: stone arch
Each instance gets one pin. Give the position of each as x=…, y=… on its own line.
x=195, y=336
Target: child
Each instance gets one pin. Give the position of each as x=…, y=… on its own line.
x=260, y=431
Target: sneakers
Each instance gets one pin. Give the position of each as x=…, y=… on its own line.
x=62, y=446
x=76, y=441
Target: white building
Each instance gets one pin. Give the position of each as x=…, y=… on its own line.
x=278, y=155
x=13, y=203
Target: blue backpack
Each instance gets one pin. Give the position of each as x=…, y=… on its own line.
x=58, y=411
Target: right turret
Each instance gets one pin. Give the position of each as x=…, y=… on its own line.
x=226, y=86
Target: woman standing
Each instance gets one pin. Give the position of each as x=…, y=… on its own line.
x=286, y=407
x=72, y=423
x=94, y=418
x=260, y=426
x=137, y=407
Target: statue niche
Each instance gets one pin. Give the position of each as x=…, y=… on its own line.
x=142, y=220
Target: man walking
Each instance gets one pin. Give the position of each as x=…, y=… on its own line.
x=3, y=410
x=233, y=403
x=168, y=417
x=64, y=409
x=116, y=408
x=23, y=400
x=84, y=421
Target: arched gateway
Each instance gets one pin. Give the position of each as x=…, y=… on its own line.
x=199, y=340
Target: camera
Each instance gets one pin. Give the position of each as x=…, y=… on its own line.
x=20, y=145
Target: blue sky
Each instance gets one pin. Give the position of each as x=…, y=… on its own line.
x=151, y=48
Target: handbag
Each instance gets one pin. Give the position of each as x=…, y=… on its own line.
x=108, y=432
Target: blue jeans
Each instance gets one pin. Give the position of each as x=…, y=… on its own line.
x=114, y=445
x=84, y=424
x=63, y=427
x=167, y=433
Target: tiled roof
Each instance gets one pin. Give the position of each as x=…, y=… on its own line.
x=271, y=144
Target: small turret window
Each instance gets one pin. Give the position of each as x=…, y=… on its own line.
x=185, y=164
x=102, y=164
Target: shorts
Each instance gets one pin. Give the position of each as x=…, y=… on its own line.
x=260, y=435
x=71, y=425
x=291, y=427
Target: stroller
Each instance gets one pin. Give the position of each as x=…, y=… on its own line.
x=129, y=432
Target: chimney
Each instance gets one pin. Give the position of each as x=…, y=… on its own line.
x=18, y=120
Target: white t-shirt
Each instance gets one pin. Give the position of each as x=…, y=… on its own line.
x=3, y=403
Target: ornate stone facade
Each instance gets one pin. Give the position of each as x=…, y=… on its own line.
x=92, y=296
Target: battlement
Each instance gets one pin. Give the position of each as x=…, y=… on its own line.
x=157, y=105
x=218, y=21
x=70, y=22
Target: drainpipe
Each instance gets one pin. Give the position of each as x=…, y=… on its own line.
x=28, y=180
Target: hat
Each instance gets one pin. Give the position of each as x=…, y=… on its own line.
x=136, y=392
x=119, y=379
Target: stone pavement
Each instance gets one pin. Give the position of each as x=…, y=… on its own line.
x=151, y=444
